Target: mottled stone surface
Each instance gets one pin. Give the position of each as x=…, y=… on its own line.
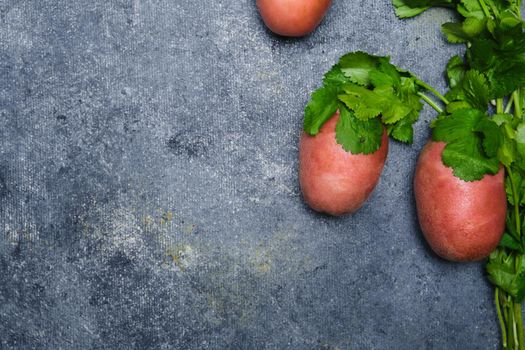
x=149, y=195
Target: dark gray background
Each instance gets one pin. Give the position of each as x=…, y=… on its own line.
x=149, y=194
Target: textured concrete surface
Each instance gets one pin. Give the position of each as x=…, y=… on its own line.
x=149, y=195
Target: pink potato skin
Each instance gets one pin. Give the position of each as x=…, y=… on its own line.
x=461, y=221
x=332, y=180
x=294, y=18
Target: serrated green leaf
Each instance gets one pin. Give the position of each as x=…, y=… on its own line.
x=506, y=76
x=472, y=90
x=455, y=71
x=403, y=131
x=335, y=77
x=322, y=106
x=467, y=161
x=404, y=11
x=378, y=78
x=502, y=118
x=481, y=55
x=492, y=137
x=473, y=26
x=471, y=8
x=520, y=139
x=411, y=8
x=506, y=274
x=360, y=107
x=357, y=67
x=454, y=33
x=358, y=136
x=464, y=152
x=507, y=241
x=475, y=87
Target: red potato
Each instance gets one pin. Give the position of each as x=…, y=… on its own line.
x=293, y=17
x=332, y=180
x=461, y=221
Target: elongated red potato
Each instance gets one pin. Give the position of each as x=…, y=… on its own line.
x=462, y=221
x=332, y=180
x=292, y=17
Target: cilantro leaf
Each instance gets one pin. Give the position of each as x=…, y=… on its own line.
x=463, y=32
x=520, y=140
x=507, y=151
x=358, y=136
x=503, y=272
x=475, y=89
x=411, y=8
x=403, y=130
x=335, y=76
x=472, y=90
x=482, y=55
x=320, y=109
x=492, y=139
x=357, y=66
x=506, y=76
x=466, y=133
x=455, y=71
x=470, y=8
x=508, y=241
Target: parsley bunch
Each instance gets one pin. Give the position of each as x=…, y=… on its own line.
x=483, y=127
x=371, y=95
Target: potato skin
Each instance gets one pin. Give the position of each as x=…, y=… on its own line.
x=294, y=18
x=461, y=221
x=332, y=180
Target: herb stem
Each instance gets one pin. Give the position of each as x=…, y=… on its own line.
x=430, y=102
x=516, y=201
x=485, y=8
x=499, y=105
x=500, y=317
x=510, y=323
x=432, y=90
x=517, y=103
x=519, y=325
x=509, y=104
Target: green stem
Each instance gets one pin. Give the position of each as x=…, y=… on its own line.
x=510, y=323
x=500, y=317
x=509, y=104
x=430, y=102
x=432, y=90
x=485, y=8
x=516, y=202
x=519, y=324
x=499, y=105
x=517, y=103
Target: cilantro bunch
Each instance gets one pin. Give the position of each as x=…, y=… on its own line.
x=371, y=95
x=483, y=127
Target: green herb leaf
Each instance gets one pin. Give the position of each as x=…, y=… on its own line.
x=357, y=66
x=466, y=132
x=502, y=272
x=463, y=32
x=358, y=136
x=411, y=8
x=320, y=109
x=507, y=241
x=455, y=71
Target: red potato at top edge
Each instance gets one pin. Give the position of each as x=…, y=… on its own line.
x=461, y=221
x=293, y=18
x=332, y=180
